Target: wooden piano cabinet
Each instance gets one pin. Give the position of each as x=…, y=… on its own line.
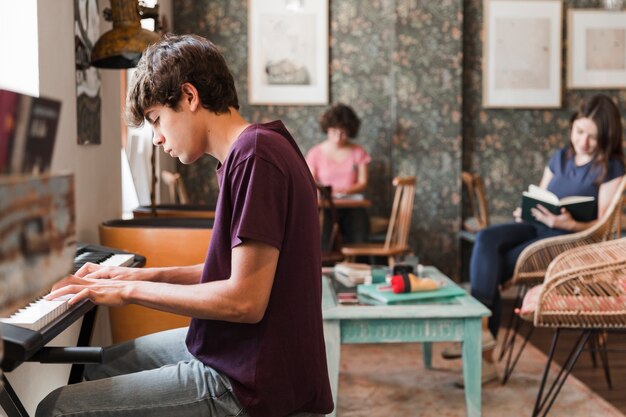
x=164, y=242
x=175, y=210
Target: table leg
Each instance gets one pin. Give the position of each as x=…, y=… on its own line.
x=427, y=350
x=332, y=338
x=472, y=361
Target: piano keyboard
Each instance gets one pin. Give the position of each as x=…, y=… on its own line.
x=40, y=313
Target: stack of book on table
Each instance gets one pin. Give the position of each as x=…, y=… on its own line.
x=352, y=274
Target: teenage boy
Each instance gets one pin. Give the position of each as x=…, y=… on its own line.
x=255, y=345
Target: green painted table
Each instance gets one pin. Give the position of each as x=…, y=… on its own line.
x=457, y=319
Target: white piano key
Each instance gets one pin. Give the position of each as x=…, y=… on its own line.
x=119, y=260
x=42, y=312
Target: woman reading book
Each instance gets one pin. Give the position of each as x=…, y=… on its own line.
x=591, y=164
x=341, y=164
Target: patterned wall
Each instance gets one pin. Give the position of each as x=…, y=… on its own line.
x=398, y=63
x=510, y=147
x=412, y=71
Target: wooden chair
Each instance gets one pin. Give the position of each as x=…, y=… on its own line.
x=396, y=240
x=479, y=208
x=584, y=290
x=533, y=262
x=164, y=242
x=175, y=186
x=331, y=248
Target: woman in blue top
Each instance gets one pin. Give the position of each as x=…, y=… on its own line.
x=591, y=165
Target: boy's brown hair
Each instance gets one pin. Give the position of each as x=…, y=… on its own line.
x=166, y=65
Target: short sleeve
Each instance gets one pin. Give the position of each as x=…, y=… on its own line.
x=312, y=158
x=259, y=195
x=615, y=169
x=556, y=161
x=361, y=156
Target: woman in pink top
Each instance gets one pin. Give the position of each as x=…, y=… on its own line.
x=342, y=164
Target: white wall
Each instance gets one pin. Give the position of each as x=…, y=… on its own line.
x=18, y=20
x=97, y=168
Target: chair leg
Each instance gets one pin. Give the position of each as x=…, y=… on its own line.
x=544, y=403
x=511, y=361
x=521, y=291
x=601, y=342
x=593, y=347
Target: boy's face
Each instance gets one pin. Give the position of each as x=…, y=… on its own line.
x=177, y=130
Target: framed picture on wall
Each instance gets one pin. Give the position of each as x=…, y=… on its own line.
x=288, y=52
x=522, y=53
x=88, y=101
x=596, y=54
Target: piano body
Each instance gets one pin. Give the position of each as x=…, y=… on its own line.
x=37, y=248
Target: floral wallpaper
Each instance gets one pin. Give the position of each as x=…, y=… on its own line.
x=398, y=63
x=412, y=70
x=510, y=147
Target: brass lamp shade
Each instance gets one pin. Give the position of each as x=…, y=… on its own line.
x=122, y=46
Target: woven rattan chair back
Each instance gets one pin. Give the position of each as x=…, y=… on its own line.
x=585, y=288
x=533, y=262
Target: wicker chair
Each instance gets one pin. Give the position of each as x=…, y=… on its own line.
x=584, y=290
x=396, y=241
x=533, y=262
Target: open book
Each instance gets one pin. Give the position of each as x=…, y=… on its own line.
x=580, y=207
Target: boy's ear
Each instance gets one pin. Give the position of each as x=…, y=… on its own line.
x=190, y=95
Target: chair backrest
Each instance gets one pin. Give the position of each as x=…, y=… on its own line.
x=584, y=287
x=175, y=187
x=608, y=226
x=401, y=212
x=477, y=201
x=164, y=242
x=334, y=238
x=533, y=262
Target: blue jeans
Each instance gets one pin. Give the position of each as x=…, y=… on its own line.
x=154, y=375
x=494, y=255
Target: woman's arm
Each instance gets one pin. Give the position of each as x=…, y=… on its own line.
x=545, y=180
x=361, y=181
x=566, y=222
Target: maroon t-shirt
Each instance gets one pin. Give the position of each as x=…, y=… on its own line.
x=267, y=193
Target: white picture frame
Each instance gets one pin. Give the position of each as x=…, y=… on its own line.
x=596, y=53
x=288, y=52
x=522, y=53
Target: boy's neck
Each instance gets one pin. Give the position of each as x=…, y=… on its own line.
x=224, y=130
